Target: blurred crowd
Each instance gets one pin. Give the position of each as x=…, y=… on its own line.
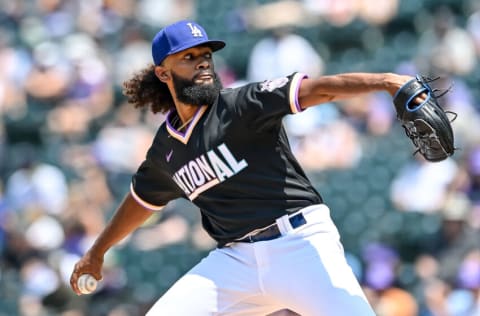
x=69, y=144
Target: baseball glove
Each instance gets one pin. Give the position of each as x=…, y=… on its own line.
x=426, y=124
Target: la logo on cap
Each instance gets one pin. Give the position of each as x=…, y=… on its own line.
x=180, y=36
x=195, y=30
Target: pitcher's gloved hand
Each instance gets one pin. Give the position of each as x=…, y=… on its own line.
x=425, y=123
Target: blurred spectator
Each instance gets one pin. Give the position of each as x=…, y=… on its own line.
x=338, y=13
x=435, y=296
x=121, y=145
x=14, y=64
x=371, y=114
x=271, y=57
x=343, y=12
x=333, y=145
x=36, y=185
x=135, y=53
x=396, y=302
x=49, y=66
x=446, y=47
x=158, y=13
x=421, y=186
x=378, y=13
x=380, y=265
x=455, y=238
x=468, y=276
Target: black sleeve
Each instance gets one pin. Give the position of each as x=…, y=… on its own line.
x=152, y=187
x=265, y=103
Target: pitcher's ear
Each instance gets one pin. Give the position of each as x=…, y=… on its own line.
x=161, y=73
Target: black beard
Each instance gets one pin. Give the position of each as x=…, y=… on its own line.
x=189, y=92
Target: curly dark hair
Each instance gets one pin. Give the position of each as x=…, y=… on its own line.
x=144, y=89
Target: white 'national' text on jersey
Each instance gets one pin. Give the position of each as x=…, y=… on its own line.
x=207, y=170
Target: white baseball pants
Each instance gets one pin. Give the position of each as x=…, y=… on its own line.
x=304, y=270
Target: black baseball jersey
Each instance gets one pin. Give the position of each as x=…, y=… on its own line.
x=233, y=161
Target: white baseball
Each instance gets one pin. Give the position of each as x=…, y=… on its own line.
x=86, y=284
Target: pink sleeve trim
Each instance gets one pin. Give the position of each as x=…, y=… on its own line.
x=294, y=88
x=142, y=202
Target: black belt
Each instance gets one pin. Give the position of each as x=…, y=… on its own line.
x=273, y=232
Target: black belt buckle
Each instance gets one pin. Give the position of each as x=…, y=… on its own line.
x=297, y=220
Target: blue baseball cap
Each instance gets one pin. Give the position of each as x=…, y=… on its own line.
x=180, y=36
